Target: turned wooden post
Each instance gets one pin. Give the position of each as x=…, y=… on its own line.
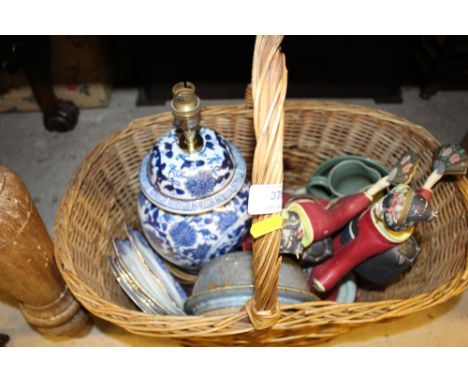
x=27, y=269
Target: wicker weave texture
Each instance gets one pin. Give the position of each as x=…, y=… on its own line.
x=103, y=192
x=269, y=83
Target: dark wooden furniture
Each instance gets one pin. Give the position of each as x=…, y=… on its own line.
x=32, y=55
x=443, y=61
x=319, y=66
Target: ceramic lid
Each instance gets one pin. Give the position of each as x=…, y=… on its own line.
x=192, y=182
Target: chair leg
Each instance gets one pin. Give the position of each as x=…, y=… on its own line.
x=33, y=55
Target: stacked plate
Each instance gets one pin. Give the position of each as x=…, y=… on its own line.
x=145, y=277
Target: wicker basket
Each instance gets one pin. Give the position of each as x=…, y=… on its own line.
x=103, y=192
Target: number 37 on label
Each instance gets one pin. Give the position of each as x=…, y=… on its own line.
x=265, y=199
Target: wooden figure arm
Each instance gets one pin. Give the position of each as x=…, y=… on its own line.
x=380, y=185
x=432, y=180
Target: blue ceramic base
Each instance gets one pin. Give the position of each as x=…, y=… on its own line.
x=190, y=241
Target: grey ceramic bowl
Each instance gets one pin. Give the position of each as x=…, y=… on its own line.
x=226, y=283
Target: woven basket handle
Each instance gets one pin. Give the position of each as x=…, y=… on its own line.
x=269, y=83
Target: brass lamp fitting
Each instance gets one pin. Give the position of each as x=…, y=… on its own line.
x=185, y=107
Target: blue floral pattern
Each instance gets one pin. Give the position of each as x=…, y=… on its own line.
x=201, y=184
x=183, y=234
x=178, y=174
x=200, y=252
x=226, y=219
x=190, y=241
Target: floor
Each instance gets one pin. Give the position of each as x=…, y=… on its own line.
x=46, y=162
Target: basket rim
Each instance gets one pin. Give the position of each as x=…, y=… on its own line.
x=237, y=323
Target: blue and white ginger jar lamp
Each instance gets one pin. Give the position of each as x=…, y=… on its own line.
x=193, y=200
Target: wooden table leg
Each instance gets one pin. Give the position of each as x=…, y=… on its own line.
x=27, y=267
x=33, y=55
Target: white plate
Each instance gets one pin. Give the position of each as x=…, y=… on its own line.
x=156, y=265
x=150, y=284
x=136, y=295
